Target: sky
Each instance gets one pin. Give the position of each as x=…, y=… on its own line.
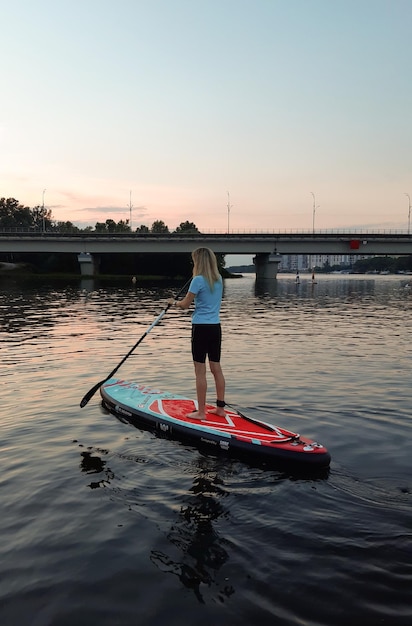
x=237, y=115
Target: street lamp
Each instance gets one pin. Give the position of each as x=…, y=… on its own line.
x=409, y=213
x=314, y=211
x=130, y=211
x=229, y=206
x=44, y=225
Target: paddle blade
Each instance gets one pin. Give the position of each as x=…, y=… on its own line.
x=89, y=395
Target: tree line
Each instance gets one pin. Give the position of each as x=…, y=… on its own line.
x=14, y=216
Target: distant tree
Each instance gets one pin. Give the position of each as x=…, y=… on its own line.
x=100, y=227
x=142, y=229
x=123, y=226
x=376, y=264
x=15, y=215
x=159, y=227
x=187, y=227
x=404, y=263
x=42, y=218
x=66, y=227
x=110, y=226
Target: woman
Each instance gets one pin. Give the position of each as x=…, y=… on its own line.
x=205, y=290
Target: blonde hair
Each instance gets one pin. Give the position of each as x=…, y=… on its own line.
x=205, y=264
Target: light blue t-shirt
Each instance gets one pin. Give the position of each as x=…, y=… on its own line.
x=207, y=302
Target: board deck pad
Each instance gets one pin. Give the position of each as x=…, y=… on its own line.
x=168, y=413
x=231, y=423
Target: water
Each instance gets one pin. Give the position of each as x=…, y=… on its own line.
x=102, y=523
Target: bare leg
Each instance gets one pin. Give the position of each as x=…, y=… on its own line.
x=220, y=384
x=201, y=388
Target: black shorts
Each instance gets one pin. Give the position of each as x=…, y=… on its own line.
x=206, y=340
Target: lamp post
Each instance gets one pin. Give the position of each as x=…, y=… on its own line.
x=44, y=223
x=229, y=206
x=314, y=211
x=409, y=213
x=130, y=211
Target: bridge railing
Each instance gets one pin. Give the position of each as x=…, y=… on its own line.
x=36, y=232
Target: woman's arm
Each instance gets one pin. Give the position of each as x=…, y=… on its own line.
x=185, y=302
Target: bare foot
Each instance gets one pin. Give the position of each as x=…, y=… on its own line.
x=196, y=416
x=218, y=411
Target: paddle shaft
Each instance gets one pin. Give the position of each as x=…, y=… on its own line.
x=93, y=390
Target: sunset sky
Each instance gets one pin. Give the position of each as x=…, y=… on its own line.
x=286, y=105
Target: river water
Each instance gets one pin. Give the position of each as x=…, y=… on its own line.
x=104, y=524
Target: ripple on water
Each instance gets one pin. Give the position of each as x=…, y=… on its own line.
x=100, y=520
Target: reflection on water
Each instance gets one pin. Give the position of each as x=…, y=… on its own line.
x=91, y=463
x=325, y=287
x=126, y=526
x=197, y=551
x=87, y=285
x=200, y=550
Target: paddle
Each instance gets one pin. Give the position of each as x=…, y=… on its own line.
x=93, y=390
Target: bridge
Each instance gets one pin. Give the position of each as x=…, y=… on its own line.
x=267, y=247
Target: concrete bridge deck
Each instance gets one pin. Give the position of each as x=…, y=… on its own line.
x=387, y=243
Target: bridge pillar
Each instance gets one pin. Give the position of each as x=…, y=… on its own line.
x=266, y=265
x=88, y=264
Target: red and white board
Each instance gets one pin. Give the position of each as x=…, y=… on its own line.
x=235, y=433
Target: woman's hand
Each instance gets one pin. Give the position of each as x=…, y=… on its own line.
x=182, y=304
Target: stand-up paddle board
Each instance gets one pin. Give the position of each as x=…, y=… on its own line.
x=235, y=433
